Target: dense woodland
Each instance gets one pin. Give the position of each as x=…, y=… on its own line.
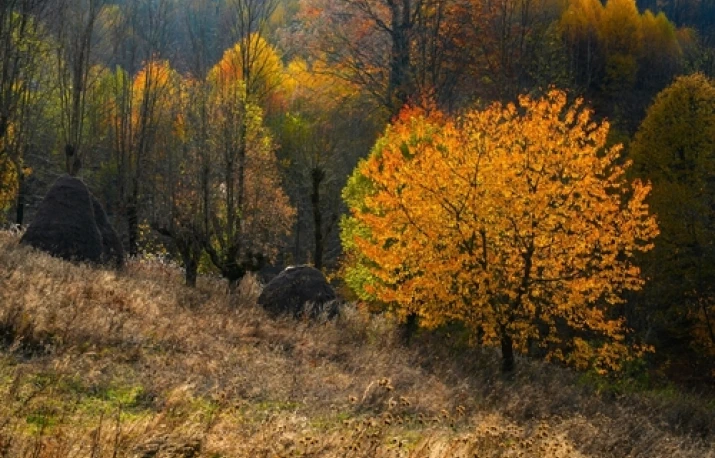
x=240, y=135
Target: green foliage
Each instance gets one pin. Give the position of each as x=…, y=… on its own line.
x=355, y=270
x=633, y=378
x=25, y=88
x=674, y=149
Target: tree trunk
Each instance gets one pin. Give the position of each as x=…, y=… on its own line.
x=133, y=227
x=70, y=159
x=409, y=328
x=4, y=121
x=399, y=90
x=133, y=218
x=296, y=247
x=233, y=277
x=190, y=258
x=20, y=210
x=507, y=354
x=317, y=175
x=189, y=249
x=226, y=262
x=232, y=270
x=192, y=269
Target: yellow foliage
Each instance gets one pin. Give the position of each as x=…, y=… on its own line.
x=8, y=183
x=582, y=17
x=154, y=74
x=9, y=168
x=620, y=27
x=612, y=46
x=515, y=220
x=315, y=85
x=154, y=89
x=253, y=61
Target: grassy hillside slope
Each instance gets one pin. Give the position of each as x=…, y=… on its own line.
x=95, y=363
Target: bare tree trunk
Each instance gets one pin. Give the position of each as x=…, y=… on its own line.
x=74, y=27
x=399, y=84
x=189, y=246
x=317, y=175
x=20, y=210
x=507, y=354
x=190, y=256
x=409, y=328
x=191, y=266
x=133, y=224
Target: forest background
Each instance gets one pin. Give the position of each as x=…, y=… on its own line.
x=221, y=133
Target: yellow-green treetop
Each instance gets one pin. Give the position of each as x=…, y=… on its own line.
x=516, y=221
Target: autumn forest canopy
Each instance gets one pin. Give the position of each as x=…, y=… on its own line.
x=533, y=175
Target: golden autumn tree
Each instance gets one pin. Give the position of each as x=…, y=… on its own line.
x=246, y=213
x=255, y=62
x=515, y=220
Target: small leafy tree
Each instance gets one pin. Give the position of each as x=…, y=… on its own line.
x=515, y=220
x=248, y=213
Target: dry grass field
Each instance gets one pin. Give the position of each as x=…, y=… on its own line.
x=95, y=363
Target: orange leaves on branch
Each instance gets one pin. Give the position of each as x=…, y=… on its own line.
x=154, y=91
x=515, y=220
